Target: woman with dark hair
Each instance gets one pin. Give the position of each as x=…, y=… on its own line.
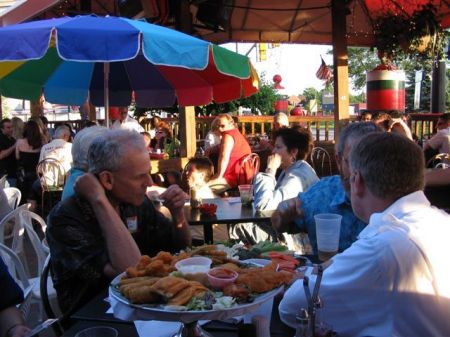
x=27, y=154
x=292, y=146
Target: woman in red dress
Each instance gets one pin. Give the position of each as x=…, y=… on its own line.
x=233, y=147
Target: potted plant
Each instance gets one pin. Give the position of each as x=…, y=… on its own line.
x=419, y=36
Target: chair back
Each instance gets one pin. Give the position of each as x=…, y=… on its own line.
x=11, y=227
x=51, y=174
x=27, y=217
x=15, y=266
x=3, y=181
x=248, y=168
x=440, y=160
x=321, y=161
x=18, y=273
x=13, y=195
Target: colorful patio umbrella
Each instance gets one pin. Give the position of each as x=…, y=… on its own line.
x=72, y=58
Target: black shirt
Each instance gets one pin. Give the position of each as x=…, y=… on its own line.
x=79, y=251
x=8, y=165
x=11, y=292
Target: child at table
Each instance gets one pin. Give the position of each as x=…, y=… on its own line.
x=196, y=175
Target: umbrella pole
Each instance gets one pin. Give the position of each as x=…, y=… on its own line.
x=106, y=91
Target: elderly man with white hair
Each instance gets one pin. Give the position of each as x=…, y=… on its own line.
x=104, y=228
x=59, y=148
x=80, y=147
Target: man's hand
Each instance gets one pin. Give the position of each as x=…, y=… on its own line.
x=287, y=211
x=174, y=199
x=88, y=187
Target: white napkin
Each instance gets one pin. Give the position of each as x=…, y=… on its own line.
x=158, y=328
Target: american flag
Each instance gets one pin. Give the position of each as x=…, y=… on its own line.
x=324, y=72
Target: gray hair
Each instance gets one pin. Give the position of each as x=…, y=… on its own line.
x=391, y=165
x=107, y=152
x=282, y=118
x=61, y=131
x=81, y=143
x=354, y=131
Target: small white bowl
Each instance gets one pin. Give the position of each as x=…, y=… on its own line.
x=194, y=265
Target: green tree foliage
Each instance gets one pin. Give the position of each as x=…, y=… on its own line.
x=360, y=98
x=360, y=60
x=311, y=93
x=262, y=101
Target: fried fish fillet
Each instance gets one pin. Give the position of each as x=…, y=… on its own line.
x=169, y=286
x=184, y=296
x=142, y=294
x=129, y=280
x=261, y=280
x=127, y=288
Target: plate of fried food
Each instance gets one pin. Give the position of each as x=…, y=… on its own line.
x=155, y=289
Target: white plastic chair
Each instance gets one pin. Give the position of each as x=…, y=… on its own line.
x=22, y=220
x=17, y=271
x=12, y=226
x=14, y=196
x=27, y=217
x=3, y=181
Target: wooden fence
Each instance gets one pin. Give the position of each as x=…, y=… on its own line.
x=423, y=125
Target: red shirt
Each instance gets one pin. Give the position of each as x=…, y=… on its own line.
x=240, y=149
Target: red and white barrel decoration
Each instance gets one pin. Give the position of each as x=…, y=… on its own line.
x=386, y=90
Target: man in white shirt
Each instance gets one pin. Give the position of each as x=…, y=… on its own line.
x=441, y=140
x=394, y=280
x=126, y=122
x=59, y=148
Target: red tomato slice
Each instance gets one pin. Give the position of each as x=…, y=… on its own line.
x=276, y=255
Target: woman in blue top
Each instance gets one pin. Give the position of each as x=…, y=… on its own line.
x=292, y=147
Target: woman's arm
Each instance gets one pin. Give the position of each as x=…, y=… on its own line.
x=18, y=148
x=224, y=156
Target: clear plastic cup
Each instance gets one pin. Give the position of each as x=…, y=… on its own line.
x=98, y=331
x=328, y=228
x=246, y=193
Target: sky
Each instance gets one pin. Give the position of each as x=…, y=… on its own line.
x=296, y=63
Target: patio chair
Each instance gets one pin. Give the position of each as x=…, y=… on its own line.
x=23, y=223
x=3, y=181
x=46, y=303
x=52, y=175
x=14, y=196
x=440, y=160
x=17, y=271
x=321, y=161
x=248, y=168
